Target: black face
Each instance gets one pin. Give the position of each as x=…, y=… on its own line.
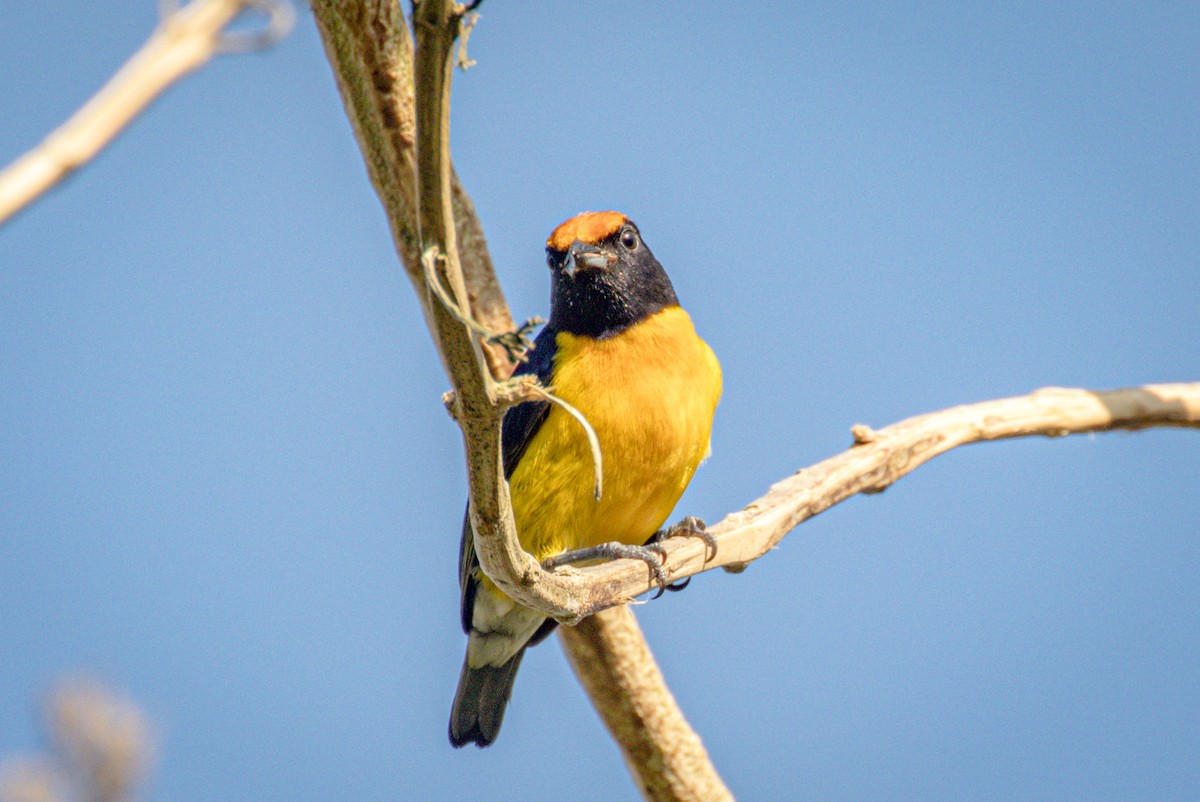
x=601, y=289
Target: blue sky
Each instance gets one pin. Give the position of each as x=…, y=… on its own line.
x=228, y=486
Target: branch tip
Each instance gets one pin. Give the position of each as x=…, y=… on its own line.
x=466, y=24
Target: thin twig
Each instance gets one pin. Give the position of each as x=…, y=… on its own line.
x=436, y=24
x=462, y=60
x=184, y=40
x=593, y=441
x=516, y=342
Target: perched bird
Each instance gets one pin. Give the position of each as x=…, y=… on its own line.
x=620, y=349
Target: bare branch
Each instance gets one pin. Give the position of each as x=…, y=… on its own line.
x=184, y=40
x=663, y=753
x=876, y=460
x=879, y=458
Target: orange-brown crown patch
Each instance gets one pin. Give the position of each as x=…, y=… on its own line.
x=589, y=227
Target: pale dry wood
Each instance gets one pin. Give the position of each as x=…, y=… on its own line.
x=370, y=48
x=476, y=396
x=184, y=40
x=879, y=458
x=663, y=753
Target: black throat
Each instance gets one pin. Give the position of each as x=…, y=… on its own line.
x=602, y=303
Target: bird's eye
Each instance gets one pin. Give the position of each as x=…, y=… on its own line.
x=629, y=239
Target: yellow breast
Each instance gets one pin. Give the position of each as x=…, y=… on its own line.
x=649, y=393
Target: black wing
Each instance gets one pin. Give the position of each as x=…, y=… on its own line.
x=521, y=423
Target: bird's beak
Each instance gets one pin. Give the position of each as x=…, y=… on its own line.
x=582, y=256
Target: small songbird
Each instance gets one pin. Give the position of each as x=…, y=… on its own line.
x=620, y=349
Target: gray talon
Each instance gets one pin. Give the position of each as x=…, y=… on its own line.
x=652, y=555
x=691, y=526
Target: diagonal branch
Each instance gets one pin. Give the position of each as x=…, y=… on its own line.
x=663, y=753
x=184, y=41
x=879, y=458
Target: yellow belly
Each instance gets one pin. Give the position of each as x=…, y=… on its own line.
x=649, y=393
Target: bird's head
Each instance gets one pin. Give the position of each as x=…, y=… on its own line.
x=604, y=277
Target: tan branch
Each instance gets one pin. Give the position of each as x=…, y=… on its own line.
x=183, y=41
x=477, y=410
x=663, y=753
x=369, y=45
x=879, y=458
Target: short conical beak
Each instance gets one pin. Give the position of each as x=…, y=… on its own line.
x=582, y=256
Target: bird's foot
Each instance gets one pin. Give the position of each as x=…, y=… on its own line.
x=516, y=343
x=691, y=526
x=651, y=554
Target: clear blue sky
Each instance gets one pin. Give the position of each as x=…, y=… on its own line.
x=227, y=484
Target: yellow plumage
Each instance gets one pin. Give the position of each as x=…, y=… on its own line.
x=621, y=351
x=649, y=394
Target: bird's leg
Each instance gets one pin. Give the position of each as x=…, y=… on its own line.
x=691, y=526
x=651, y=555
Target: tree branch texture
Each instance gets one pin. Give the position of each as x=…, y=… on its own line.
x=879, y=458
x=615, y=666
x=184, y=41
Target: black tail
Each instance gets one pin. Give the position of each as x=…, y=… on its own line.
x=480, y=701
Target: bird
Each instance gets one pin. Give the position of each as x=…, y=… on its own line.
x=620, y=349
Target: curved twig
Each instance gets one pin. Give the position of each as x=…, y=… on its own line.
x=593, y=441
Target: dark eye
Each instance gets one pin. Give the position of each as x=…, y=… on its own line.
x=629, y=239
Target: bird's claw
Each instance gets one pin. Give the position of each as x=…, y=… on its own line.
x=691, y=526
x=651, y=554
x=516, y=343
